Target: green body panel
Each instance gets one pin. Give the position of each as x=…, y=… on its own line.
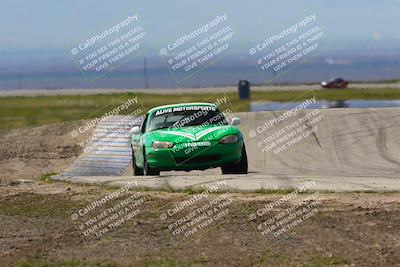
x=195, y=147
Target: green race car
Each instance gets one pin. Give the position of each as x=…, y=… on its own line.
x=189, y=136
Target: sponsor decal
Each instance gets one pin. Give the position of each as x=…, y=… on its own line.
x=181, y=109
x=198, y=144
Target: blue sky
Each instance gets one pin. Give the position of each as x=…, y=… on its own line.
x=49, y=24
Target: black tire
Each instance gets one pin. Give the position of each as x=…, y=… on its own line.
x=147, y=170
x=136, y=170
x=240, y=167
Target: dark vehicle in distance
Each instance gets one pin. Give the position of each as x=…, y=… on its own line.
x=337, y=83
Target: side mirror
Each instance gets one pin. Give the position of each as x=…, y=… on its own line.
x=135, y=129
x=235, y=121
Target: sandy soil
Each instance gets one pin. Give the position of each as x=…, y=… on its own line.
x=349, y=230
x=31, y=152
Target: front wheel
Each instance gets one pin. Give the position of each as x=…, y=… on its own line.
x=147, y=170
x=136, y=170
x=240, y=167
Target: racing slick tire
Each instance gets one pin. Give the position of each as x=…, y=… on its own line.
x=147, y=170
x=240, y=167
x=136, y=170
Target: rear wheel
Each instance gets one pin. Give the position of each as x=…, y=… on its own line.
x=239, y=167
x=136, y=170
x=147, y=170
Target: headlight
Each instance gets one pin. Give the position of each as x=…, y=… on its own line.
x=160, y=144
x=229, y=139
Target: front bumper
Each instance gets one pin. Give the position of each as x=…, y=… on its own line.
x=194, y=158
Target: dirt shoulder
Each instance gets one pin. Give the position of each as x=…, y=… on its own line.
x=29, y=153
x=353, y=229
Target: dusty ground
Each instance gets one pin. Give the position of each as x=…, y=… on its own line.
x=350, y=229
x=354, y=229
x=28, y=153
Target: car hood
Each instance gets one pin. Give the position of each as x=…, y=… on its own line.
x=192, y=134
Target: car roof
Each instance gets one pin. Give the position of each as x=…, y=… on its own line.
x=181, y=105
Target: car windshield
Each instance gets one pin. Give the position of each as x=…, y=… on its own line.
x=186, y=116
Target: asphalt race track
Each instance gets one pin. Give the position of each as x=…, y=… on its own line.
x=341, y=149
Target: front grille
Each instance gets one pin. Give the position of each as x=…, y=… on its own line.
x=197, y=159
